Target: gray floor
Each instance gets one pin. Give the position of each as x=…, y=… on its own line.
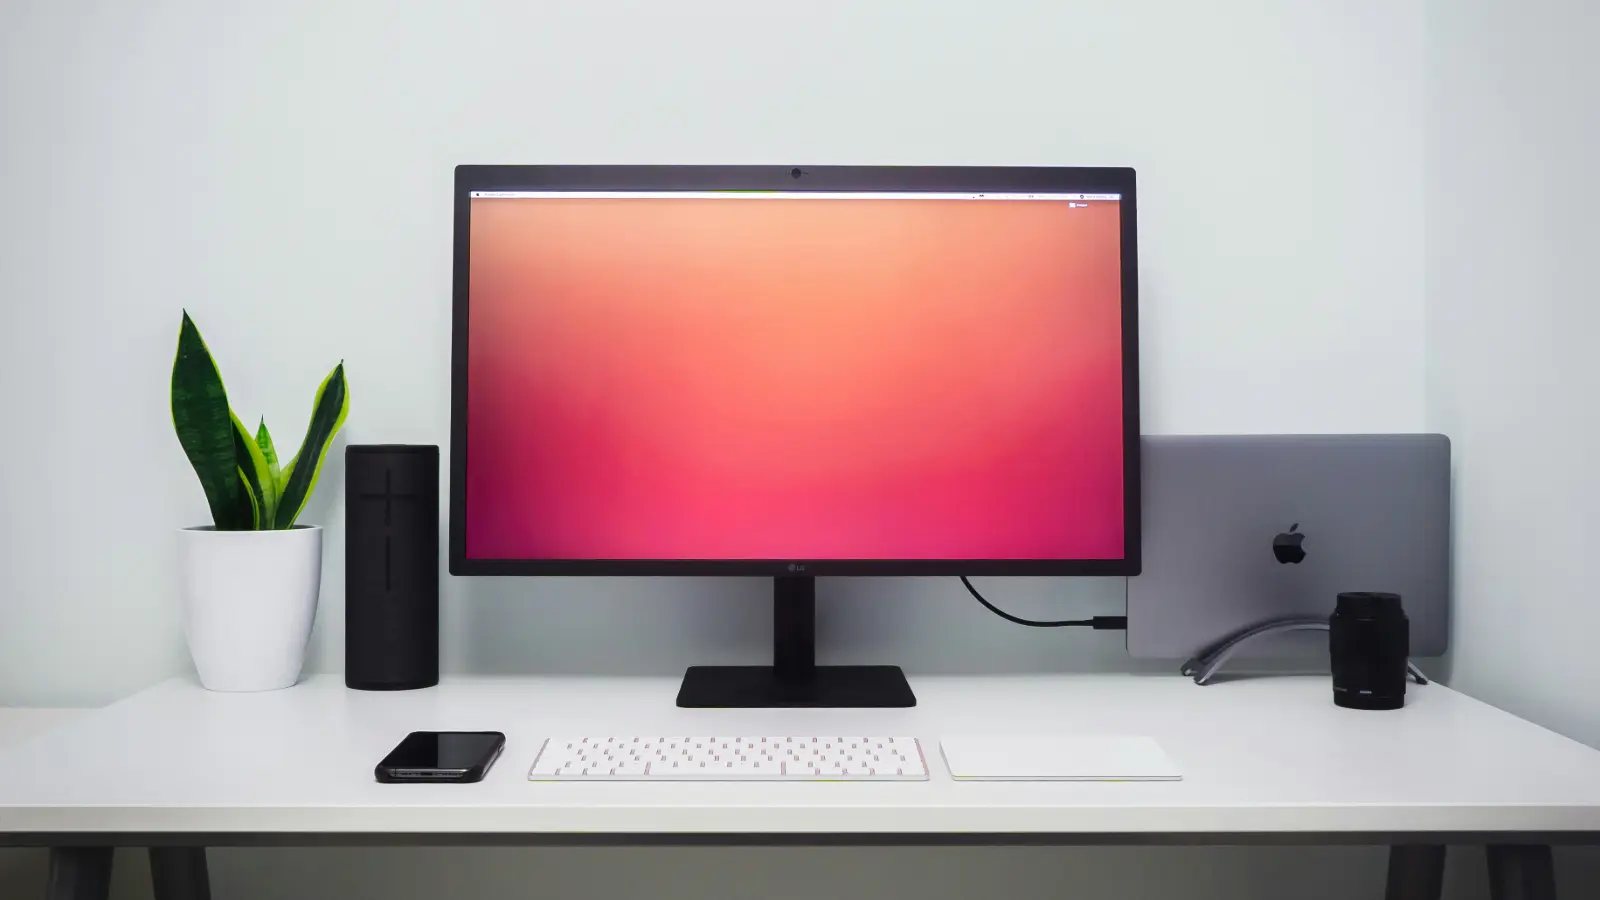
x=1221, y=873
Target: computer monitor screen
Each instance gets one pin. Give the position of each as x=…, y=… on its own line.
x=812, y=378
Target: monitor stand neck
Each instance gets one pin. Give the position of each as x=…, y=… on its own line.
x=794, y=679
x=794, y=629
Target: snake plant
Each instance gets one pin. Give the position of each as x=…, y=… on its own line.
x=246, y=486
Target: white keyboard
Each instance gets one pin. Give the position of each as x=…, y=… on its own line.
x=730, y=759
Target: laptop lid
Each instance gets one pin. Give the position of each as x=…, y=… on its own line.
x=1238, y=529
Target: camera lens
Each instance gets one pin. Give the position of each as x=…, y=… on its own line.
x=795, y=173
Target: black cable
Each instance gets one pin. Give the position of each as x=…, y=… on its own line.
x=1098, y=623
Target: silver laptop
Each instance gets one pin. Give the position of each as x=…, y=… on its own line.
x=1238, y=529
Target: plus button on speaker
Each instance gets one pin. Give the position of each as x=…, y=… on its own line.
x=391, y=567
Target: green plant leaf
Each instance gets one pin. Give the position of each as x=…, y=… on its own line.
x=264, y=441
x=257, y=476
x=255, y=505
x=328, y=412
x=200, y=416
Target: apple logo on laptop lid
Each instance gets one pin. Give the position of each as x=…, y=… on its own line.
x=1288, y=546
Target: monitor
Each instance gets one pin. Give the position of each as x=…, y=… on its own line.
x=794, y=372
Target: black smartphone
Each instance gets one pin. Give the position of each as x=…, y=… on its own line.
x=449, y=756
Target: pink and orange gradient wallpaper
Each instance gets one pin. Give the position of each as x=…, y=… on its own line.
x=733, y=379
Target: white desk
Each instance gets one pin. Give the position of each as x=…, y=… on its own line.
x=1265, y=760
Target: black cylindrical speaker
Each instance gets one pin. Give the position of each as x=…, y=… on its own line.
x=1369, y=639
x=391, y=567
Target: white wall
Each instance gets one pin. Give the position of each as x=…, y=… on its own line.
x=283, y=170
x=1514, y=305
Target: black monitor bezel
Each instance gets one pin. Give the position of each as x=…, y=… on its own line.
x=980, y=179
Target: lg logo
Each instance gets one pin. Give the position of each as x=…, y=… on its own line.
x=796, y=567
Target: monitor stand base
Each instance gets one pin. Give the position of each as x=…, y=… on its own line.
x=794, y=679
x=736, y=687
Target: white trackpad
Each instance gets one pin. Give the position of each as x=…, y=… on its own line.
x=1091, y=757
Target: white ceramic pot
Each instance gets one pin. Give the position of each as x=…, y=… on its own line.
x=249, y=600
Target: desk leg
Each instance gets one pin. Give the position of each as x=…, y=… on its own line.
x=1416, y=872
x=79, y=873
x=1521, y=872
x=179, y=873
